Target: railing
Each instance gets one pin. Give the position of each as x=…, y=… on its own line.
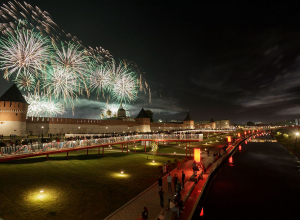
x=38, y=148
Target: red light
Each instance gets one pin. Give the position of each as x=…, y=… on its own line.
x=245, y=132
x=246, y=142
x=249, y=132
x=230, y=160
x=240, y=147
x=239, y=134
x=202, y=212
x=229, y=139
x=197, y=155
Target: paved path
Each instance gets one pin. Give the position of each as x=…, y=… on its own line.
x=150, y=197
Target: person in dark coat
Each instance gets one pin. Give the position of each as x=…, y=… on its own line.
x=174, y=179
x=145, y=213
x=161, y=196
x=159, y=183
x=183, y=178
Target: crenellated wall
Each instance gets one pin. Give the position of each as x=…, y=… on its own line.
x=71, y=125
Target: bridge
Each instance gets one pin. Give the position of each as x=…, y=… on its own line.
x=35, y=149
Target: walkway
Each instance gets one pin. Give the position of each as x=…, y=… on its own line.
x=150, y=197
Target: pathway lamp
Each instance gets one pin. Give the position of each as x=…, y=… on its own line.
x=297, y=134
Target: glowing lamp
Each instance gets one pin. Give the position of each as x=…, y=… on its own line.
x=122, y=172
x=153, y=161
x=230, y=160
x=239, y=134
x=246, y=142
x=297, y=134
x=240, y=147
x=249, y=132
x=245, y=132
x=197, y=155
x=41, y=191
x=229, y=139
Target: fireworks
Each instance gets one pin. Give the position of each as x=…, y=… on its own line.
x=61, y=83
x=54, y=68
x=23, y=52
x=99, y=78
x=123, y=82
x=39, y=106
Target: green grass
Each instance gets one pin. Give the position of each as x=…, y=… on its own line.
x=288, y=138
x=81, y=187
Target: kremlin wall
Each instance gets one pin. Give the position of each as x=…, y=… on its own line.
x=14, y=120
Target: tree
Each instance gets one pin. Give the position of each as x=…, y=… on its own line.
x=150, y=115
x=250, y=123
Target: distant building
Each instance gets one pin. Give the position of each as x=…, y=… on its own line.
x=213, y=124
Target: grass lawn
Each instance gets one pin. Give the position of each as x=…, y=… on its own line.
x=81, y=187
x=288, y=138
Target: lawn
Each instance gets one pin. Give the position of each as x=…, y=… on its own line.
x=81, y=187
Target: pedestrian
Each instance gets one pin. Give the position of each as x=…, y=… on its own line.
x=169, y=180
x=178, y=187
x=174, y=179
x=161, y=196
x=173, y=207
x=207, y=152
x=145, y=213
x=182, y=178
x=159, y=183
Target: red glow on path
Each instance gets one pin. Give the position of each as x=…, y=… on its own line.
x=202, y=212
x=230, y=160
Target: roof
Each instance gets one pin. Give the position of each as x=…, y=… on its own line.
x=13, y=94
x=142, y=114
x=188, y=117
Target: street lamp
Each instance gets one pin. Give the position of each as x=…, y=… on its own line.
x=42, y=132
x=297, y=134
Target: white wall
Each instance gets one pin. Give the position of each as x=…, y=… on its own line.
x=12, y=127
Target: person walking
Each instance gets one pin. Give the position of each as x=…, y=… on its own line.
x=182, y=178
x=174, y=181
x=145, y=213
x=173, y=207
x=161, y=196
x=169, y=180
x=159, y=183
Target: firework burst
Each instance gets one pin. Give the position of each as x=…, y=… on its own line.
x=39, y=106
x=23, y=53
x=61, y=83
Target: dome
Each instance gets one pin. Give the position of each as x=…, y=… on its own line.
x=108, y=112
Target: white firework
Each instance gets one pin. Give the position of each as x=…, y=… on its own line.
x=61, y=84
x=99, y=78
x=25, y=82
x=40, y=106
x=71, y=58
x=23, y=52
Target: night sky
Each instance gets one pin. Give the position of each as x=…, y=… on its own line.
x=227, y=61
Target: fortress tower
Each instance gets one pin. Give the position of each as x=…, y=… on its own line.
x=188, y=122
x=143, y=121
x=13, y=111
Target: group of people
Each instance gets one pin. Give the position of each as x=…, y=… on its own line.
x=174, y=204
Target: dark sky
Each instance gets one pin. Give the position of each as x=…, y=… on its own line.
x=221, y=60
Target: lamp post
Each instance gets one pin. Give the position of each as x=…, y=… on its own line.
x=42, y=132
x=297, y=134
